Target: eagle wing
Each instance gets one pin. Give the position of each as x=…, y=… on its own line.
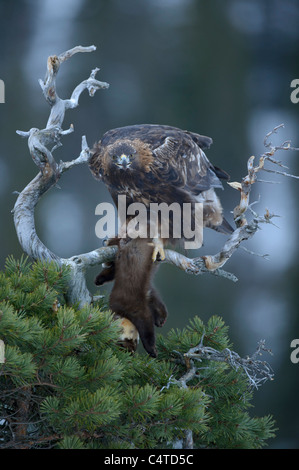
x=179, y=158
x=184, y=164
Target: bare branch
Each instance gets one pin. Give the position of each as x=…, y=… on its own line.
x=91, y=84
x=273, y=131
x=257, y=371
x=246, y=184
x=83, y=158
x=59, y=106
x=280, y=173
x=195, y=266
x=66, y=55
x=39, y=142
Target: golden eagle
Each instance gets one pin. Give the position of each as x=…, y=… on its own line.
x=151, y=163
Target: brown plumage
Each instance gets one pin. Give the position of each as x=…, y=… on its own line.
x=133, y=295
x=152, y=164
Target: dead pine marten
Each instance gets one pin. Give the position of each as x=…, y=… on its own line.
x=133, y=295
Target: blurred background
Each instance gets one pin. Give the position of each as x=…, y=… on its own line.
x=219, y=68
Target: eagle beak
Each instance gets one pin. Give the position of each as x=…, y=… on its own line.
x=124, y=161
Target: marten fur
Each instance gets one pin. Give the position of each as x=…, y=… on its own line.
x=132, y=295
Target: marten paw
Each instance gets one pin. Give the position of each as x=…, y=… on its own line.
x=100, y=280
x=158, y=310
x=107, y=274
x=160, y=318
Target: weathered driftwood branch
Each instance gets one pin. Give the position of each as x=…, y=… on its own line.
x=244, y=229
x=39, y=142
x=257, y=371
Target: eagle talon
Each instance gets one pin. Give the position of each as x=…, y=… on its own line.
x=158, y=253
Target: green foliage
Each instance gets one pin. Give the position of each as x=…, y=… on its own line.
x=66, y=383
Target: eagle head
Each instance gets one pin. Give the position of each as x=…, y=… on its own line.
x=122, y=155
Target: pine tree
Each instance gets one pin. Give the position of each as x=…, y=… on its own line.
x=67, y=383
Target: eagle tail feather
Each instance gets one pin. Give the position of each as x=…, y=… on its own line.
x=221, y=173
x=224, y=227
